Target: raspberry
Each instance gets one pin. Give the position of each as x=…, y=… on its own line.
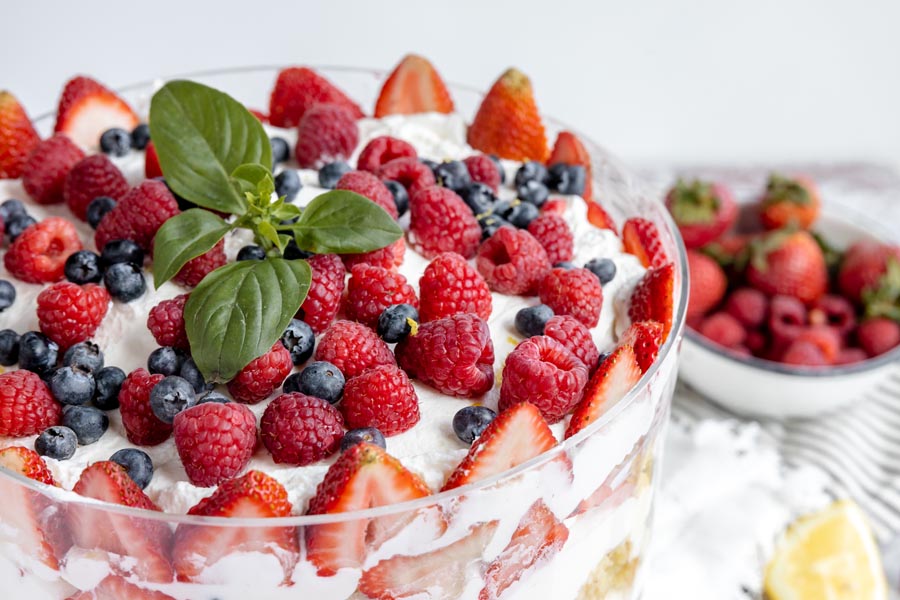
x=262, y=376
x=512, y=261
x=26, y=405
x=383, y=398
x=455, y=355
x=372, y=289
x=166, y=322
x=214, y=441
x=324, y=297
x=408, y=172
x=69, y=313
x=441, y=222
x=756, y=341
x=151, y=162
x=834, y=311
x=723, y=329
x=451, y=286
x=141, y=426
x=138, y=215
x=749, y=306
x=572, y=333
x=827, y=339
x=877, y=336
x=381, y=150
x=483, y=170
x=297, y=89
x=553, y=233
x=353, y=348
x=399, y=250
x=44, y=174
x=575, y=292
x=299, y=429
x=366, y=184
x=849, y=356
x=543, y=372
x=787, y=317
x=383, y=257
x=327, y=133
x=194, y=270
x=92, y=177
x=39, y=253
x=804, y=353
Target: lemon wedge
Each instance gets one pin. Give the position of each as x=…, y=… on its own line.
x=829, y=555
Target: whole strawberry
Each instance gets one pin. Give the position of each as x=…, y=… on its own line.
x=138, y=215
x=325, y=289
x=870, y=275
x=69, y=313
x=298, y=89
x=450, y=285
x=353, y=348
x=702, y=210
x=441, y=222
x=45, y=169
x=214, y=441
x=26, y=405
x=877, y=336
x=327, y=132
x=383, y=398
x=575, y=292
x=789, y=201
x=789, y=264
x=262, y=376
x=91, y=177
x=708, y=284
x=17, y=137
x=39, y=254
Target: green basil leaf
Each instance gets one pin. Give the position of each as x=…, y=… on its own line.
x=287, y=211
x=183, y=237
x=238, y=311
x=344, y=222
x=201, y=136
x=269, y=232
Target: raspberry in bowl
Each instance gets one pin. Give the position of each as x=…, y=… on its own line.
x=384, y=443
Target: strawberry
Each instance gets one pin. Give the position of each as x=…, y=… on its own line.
x=614, y=378
x=641, y=238
x=788, y=263
x=598, y=217
x=17, y=137
x=87, y=109
x=645, y=338
x=569, y=150
x=652, y=298
x=508, y=123
x=151, y=162
x=414, y=86
x=518, y=434
x=708, y=283
x=870, y=275
x=297, y=89
x=27, y=462
x=251, y=496
x=789, y=201
x=877, y=336
x=114, y=587
x=702, y=210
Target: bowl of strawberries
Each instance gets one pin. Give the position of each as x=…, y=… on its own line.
x=795, y=301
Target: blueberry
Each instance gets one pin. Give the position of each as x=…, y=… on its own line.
x=470, y=422
x=534, y=192
x=479, y=198
x=568, y=266
x=430, y=164
x=140, y=136
x=9, y=347
x=292, y=251
x=17, y=224
x=251, y=252
x=369, y=435
x=453, y=174
x=393, y=322
x=98, y=208
x=291, y=384
x=401, y=196
x=603, y=268
x=37, y=352
x=7, y=294
x=56, y=442
x=72, y=385
x=88, y=423
x=522, y=214
x=211, y=396
x=84, y=355
x=121, y=251
x=287, y=184
x=567, y=179
x=500, y=168
x=137, y=464
x=322, y=380
x=531, y=171
x=125, y=281
x=171, y=396
x=490, y=223
x=83, y=267
x=165, y=360
x=12, y=208
x=603, y=357
x=192, y=375
x=503, y=208
x=107, y=383
x=115, y=141
x=331, y=173
x=299, y=340
x=531, y=321
x=281, y=150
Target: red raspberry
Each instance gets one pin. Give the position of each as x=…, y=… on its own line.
x=572, y=333
x=151, y=162
x=849, y=356
x=299, y=429
x=749, y=306
x=877, y=336
x=440, y=221
x=542, y=371
x=455, y=355
x=327, y=132
x=803, y=353
x=787, y=318
x=44, y=174
x=297, y=89
x=408, y=172
x=827, y=339
x=723, y=329
x=353, y=348
x=399, y=250
x=451, y=286
x=383, y=257
x=382, y=397
x=834, y=311
x=324, y=297
x=381, y=150
x=366, y=184
x=483, y=170
x=372, y=289
x=26, y=405
x=575, y=292
x=94, y=176
x=194, y=270
x=262, y=376
x=69, y=313
x=554, y=235
x=166, y=322
x=138, y=215
x=512, y=261
x=141, y=426
x=214, y=441
x=756, y=341
x=39, y=254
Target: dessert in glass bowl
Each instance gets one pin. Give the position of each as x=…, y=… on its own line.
x=385, y=390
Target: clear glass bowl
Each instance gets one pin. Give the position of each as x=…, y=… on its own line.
x=600, y=483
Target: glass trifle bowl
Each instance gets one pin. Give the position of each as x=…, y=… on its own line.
x=572, y=523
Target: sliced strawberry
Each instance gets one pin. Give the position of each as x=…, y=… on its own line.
x=619, y=485
x=614, y=378
x=27, y=462
x=114, y=587
x=298, y=89
x=518, y=434
x=151, y=162
x=87, y=109
x=645, y=338
x=641, y=238
x=413, y=87
x=653, y=298
x=569, y=150
x=17, y=137
x=598, y=217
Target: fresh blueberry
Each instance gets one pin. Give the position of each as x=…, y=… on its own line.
x=17, y=224
x=470, y=422
x=531, y=171
x=12, y=208
x=566, y=179
x=56, y=442
x=534, y=192
x=9, y=347
x=331, y=173
x=292, y=251
x=393, y=322
x=211, y=396
x=453, y=174
x=140, y=136
x=369, y=435
x=401, y=196
x=251, y=252
x=299, y=340
x=121, y=251
x=37, y=352
x=115, y=141
x=192, y=375
x=479, y=198
x=125, y=281
x=84, y=355
x=291, y=383
x=83, y=267
x=522, y=214
x=107, y=383
x=500, y=168
x=137, y=464
x=72, y=386
x=603, y=268
x=281, y=150
x=88, y=423
x=568, y=266
x=503, y=208
x=165, y=360
x=287, y=184
x=531, y=321
x=171, y=396
x=603, y=357
x=7, y=294
x=98, y=208
x=322, y=380
x=490, y=223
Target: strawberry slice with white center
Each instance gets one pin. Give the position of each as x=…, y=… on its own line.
x=141, y=543
x=254, y=495
x=653, y=298
x=641, y=238
x=518, y=434
x=613, y=379
x=414, y=86
x=645, y=338
x=87, y=109
x=116, y=588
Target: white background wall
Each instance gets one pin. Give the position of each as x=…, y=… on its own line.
x=678, y=80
